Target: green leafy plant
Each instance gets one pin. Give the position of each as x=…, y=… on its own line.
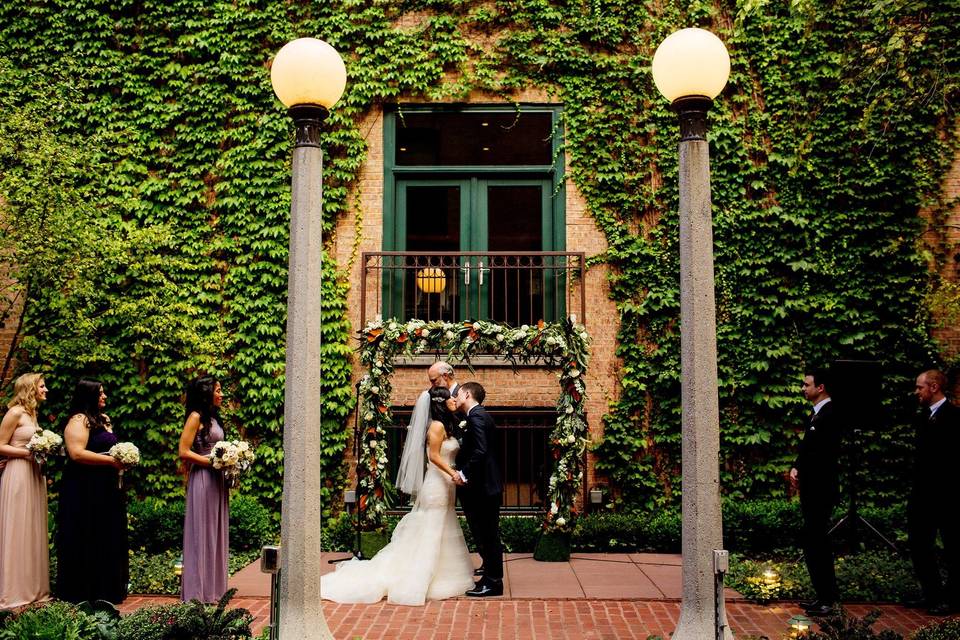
x=843, y=626
x=338, y=533
x=835, y=128
x=151, y=623
x=188, y=621
x=154, y=525
x=154, y=573
x=251, y=524
x=943, y=630
x=873, y=576
x=213, y=622
x=59, y=621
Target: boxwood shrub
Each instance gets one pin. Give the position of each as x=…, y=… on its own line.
x=945, y=630
x=156, y=526
x=749, y=527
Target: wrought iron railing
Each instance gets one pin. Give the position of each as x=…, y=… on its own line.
x=509, y=288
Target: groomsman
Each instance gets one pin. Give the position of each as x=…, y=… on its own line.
x=931, y=508
x=816, y=474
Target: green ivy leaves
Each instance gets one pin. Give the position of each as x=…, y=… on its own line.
x=824, y=145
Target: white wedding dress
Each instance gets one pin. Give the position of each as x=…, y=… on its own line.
x=427, y=558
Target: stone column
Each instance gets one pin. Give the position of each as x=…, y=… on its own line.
x=702, y=524
x=300, y=615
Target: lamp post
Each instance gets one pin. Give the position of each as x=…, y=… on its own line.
x=690, y=68
x=308, y=77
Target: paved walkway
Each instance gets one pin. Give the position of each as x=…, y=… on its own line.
x=591, y=597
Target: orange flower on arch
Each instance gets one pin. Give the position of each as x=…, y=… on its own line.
x=373, y=334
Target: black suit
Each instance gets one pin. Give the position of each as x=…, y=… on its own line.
x=481, y=496
x=818, y=474
x=931, y=507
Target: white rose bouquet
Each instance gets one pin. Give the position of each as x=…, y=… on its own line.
x=43, y=444
x=234, y=458
x=126, y=453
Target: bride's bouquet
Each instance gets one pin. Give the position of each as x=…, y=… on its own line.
x=43, y=444
x=126, y=453
x=233, y=458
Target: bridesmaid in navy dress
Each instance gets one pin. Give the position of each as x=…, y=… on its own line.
x=92, y=562
x=206, y=521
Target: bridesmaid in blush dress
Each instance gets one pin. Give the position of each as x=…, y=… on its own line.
x=24, y=561
x=92, y=561
x=206, y=521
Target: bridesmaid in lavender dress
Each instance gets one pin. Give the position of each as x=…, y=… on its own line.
x=24, y=562
x=92, y=561
x=206, y=522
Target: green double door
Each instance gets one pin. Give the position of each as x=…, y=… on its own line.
x=512, y=216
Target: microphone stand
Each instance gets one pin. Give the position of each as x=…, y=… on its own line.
x=853, y=520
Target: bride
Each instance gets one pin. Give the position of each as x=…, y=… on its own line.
x=427, y=557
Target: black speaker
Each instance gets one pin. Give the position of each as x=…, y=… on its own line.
x=855, y=387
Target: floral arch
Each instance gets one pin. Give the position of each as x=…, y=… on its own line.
x=564, y=346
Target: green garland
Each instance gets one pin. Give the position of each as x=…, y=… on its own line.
x=561, y=345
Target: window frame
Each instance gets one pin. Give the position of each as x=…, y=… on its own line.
x=554, y=172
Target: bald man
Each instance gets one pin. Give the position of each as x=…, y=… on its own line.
x=441, y=374
x=930, y=509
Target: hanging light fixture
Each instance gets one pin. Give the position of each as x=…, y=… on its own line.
x=431, y=280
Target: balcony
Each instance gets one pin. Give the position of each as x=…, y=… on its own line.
x=502, y=287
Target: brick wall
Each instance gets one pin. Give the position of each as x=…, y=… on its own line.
x=529, y=386
x=7, y=329
x=948, y=240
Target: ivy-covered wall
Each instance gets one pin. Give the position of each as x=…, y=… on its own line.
x=826, y=142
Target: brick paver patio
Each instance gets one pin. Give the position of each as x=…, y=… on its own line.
x=592, y=597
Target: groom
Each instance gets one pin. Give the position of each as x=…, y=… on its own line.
x=480, y=488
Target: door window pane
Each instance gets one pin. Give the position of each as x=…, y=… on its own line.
x=433, y=224
x=515, y=284
x=515, y=218
x=433, y=218
x=471, y=139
